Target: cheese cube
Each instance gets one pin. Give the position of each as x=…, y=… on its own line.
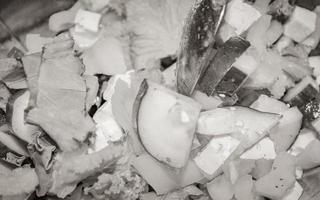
x=88, y=20
x=304, y=138
x=241, y=15
x=216, y=153
x=295, y=193
x=34, y=42
x=262, y=150
x=301, y=24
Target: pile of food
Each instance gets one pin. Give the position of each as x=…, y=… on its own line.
x=165, y=100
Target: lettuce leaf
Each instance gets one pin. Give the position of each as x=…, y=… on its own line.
x=59, y=94
x=156, y=28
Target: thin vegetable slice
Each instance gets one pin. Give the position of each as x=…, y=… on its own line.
x=166, y=123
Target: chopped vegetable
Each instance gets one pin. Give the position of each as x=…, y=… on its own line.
x=310, y=184
x=56, y=110
x=286, y=132
x=167, y=132
x=238, y=168
x=309, y=157
x=235, y=119
x=88, y=20
x=269, y=104
x=262, y=168
x=156, y=27
x=301, y=24
x=166, y=179
x=106, y=48
x=65, y=19
x=241, y=15
x=220, y=188
x=16, y=107
x=263, y=149
x=304, y=138
x=278, y=182
x=214, y=155
x=244, y=188
x=35, y=43
x=295, y=192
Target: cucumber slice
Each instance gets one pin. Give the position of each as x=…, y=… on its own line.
x=165, y=122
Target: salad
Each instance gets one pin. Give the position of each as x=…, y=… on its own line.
x=164, y=100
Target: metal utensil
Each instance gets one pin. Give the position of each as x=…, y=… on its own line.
x=198, y=38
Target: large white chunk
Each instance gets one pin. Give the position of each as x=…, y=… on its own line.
x=166, y=123
x=216, y=153
x=269, y=104
x=295, y=192
x=264, y=149
x=34, y=42
x=235, y=119
x=88, y=20
x=304, y=138
x=301, y=24
x=241, y=15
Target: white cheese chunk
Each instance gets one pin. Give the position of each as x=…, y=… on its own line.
x=216, y=153
x=301, y=24
x=241, y=15
x=88, y=20
x=304, y=138
x=295, y=193
x=107, y=129
x=269, y=104
x=34, y=42
x=263, y=149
